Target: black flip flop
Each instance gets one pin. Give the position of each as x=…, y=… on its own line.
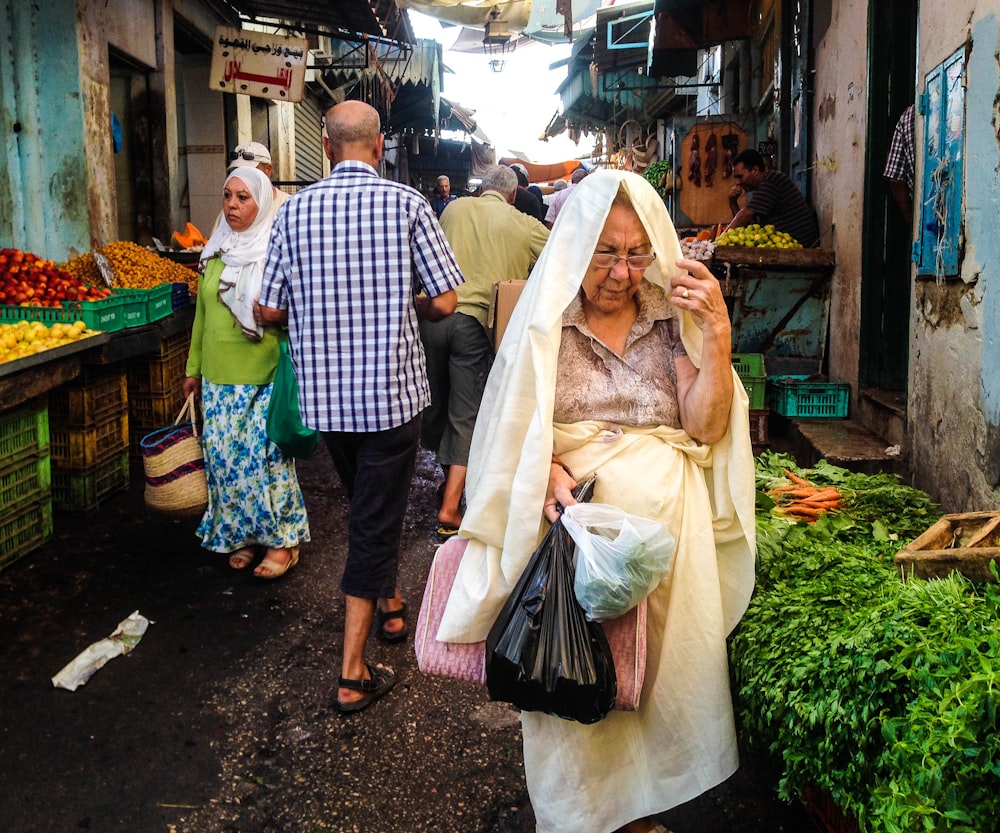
x=382, y=679
x=381, y=617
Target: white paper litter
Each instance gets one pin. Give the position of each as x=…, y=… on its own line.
x=124, y=638
x=893, y=451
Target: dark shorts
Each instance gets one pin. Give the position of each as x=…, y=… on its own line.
x=376, y=469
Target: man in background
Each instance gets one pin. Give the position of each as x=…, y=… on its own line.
x=899, y=166
x=772, y=199
x=525, y=201
x=442, y=195
x=254, y=155
x=346, y=257
x=559, y=197
x=492, y=241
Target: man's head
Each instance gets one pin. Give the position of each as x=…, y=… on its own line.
x=559, y=184
x=748, y=169
x=521, y=173
x=444, y=186
x=251, y=155
x=501, y=179
x=353, y=132
x=578, y=175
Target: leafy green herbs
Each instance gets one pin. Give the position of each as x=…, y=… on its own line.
x=878, y=691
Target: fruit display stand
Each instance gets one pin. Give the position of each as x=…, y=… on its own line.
x=779, y=303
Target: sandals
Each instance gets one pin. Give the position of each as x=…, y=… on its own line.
x=242, y=558
x=277, y=569
x=446, y=532
x=380, y=681
x=381, y=617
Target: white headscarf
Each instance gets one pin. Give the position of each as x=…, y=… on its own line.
x=243, y=252
x=512, y=443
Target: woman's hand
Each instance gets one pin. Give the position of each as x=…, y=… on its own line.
x=192, y=384
x=697, y=290
x=705, y=393
x=559, y=491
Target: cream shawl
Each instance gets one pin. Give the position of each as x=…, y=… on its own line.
x=514, y=437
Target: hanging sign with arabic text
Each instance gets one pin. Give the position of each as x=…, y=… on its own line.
x=256, y=63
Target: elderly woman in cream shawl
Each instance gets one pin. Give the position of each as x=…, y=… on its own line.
x=617, y=361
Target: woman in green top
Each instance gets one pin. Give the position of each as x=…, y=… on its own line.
x=254, y=500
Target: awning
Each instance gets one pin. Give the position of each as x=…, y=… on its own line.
x=544, y=173
x=381, y=19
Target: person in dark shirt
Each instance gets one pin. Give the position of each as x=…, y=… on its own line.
x=442, y=195
x=524, y=200
x=772, y=199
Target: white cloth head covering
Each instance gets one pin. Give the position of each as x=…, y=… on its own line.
x=512, y=443
x=243, y=252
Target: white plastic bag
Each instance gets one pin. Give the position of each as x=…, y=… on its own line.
x=620, y=558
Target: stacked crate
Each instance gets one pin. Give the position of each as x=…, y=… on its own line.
x=89, y=433
x=750, y=368
x=25, y=480
x=804, y=397
x=155, y=389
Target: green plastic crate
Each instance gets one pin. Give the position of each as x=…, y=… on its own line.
x=25, y=530
x=83, y=492
x=144, y=306
x=24, y=431
x=24, y=482
x=105, y=315
x=794, y=396
x=756, y=387
x=749, y=364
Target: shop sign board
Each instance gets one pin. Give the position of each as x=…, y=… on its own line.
x=259, y=64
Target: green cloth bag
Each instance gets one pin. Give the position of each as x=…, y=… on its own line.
x=284, y=422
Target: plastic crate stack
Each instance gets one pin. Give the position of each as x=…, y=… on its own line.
x=25, y=480
x=89, y=432
x=155, y=389
x=802, y=397
x=750, y=368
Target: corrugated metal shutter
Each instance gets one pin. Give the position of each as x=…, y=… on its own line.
x=308, y=139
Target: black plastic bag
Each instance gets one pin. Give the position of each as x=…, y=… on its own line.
x=542, y=654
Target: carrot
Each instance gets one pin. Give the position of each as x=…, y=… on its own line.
x=796, y=479
x=808, y=511
x=826, y=494
x=799, y=492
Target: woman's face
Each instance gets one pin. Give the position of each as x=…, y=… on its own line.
x=609, y=290
x=238, y=205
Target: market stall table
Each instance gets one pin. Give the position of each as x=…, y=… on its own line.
x=779, y=303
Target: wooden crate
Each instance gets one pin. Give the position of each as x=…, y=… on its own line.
x=966, y=542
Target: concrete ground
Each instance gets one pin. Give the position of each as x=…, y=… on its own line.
x=219, y=720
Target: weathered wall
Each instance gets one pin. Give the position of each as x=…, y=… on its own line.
x=954, y=408
x=838, y=175
x=43, y=158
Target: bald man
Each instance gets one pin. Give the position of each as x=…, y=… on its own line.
x=348, y=256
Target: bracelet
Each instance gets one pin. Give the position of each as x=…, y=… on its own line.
x=557, y=462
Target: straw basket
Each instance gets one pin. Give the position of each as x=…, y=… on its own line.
x=174, y=465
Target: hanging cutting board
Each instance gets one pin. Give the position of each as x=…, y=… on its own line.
x=705, y=204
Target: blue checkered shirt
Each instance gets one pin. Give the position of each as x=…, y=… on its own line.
x=899, y=164
x=347, y=256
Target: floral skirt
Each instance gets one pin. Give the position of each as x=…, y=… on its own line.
x=253, y=491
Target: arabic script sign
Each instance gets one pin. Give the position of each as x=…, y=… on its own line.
x=256, y=63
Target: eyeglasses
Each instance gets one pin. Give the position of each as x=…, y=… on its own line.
x=608, y=260
x=250, y=156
